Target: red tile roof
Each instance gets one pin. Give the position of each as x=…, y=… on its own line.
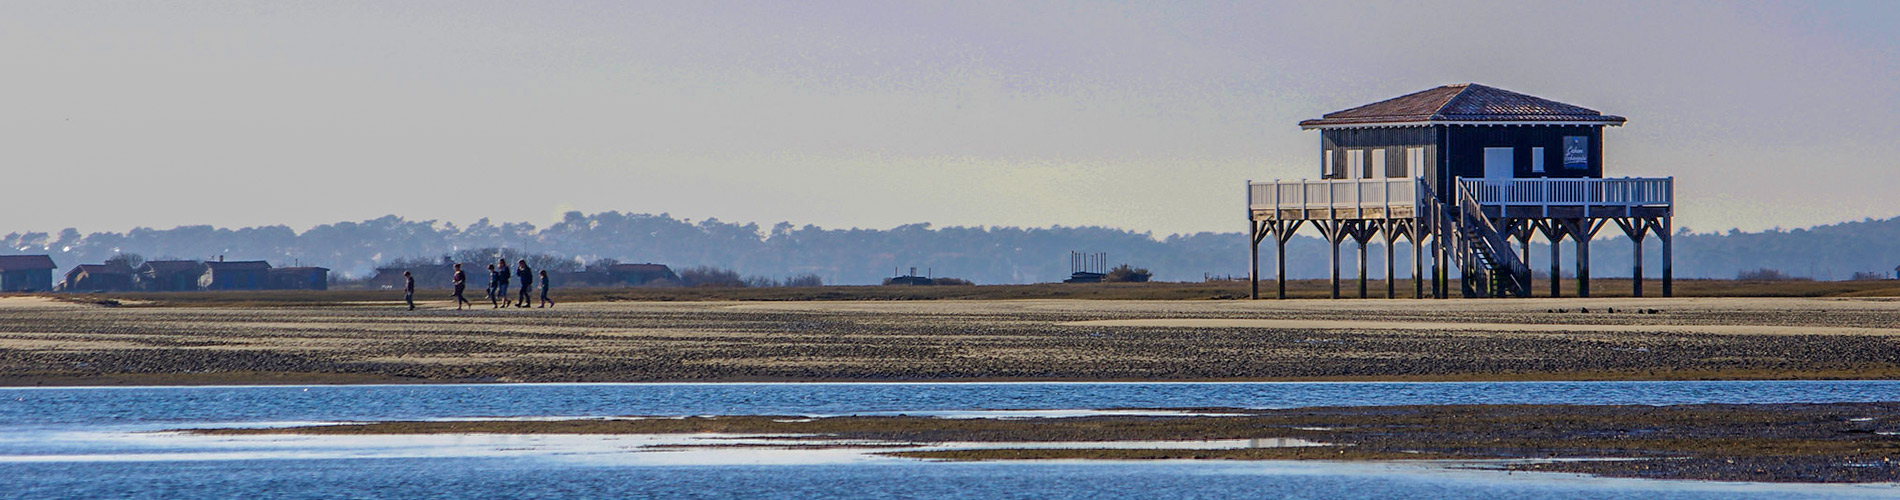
x=1463, y=103
x=25, y=262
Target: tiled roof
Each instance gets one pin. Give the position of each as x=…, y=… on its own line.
x=25, y=262
x=239, y=265
x=172, y=266
x=98, y=269
x=303, y=269
x=1463, y=103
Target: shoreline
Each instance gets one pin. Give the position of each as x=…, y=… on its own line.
x=1790, y=443
x=290, y=380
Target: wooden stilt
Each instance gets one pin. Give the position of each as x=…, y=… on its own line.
x=1283, y=232
x=1440, y=263
x=1362, y=233
x=1636, y=229
x=1253, y=262
x=1418, y=262
x=1668, y=274
x=1334, y=232
x=1362, y=268
x=1335, y=265
x=1554, y=233
x=1391, y=280
x=1583, y=230
x=1523, y=231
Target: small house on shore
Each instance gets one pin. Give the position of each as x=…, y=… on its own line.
x=26, y=273
x=97, y=278
x=639, y=274
x=235, y=275
x=300, y=278
x=168, y=275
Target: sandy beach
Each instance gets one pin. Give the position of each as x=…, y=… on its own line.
x=47, y=342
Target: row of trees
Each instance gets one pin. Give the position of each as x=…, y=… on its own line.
x=866, y=256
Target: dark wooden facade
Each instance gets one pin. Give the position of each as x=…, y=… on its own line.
x=299, y=278
x=168, y=275
x=235, y=275
x=97, y=278
x=26, y=273
x=1446, y=152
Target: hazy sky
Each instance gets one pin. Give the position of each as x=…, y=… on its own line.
x=1147, y=116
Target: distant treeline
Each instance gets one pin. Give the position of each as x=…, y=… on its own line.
x=984, y=255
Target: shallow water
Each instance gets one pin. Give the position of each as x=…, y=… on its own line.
x=98, y=443
x=143, y=405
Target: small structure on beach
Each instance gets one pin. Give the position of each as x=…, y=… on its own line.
x=912, y=279
x=97, y=278
x=235, y=275
x=1087, y=267
x=1471, y=169
x=299, y=278
x=640, y=274
x=168, y=275
x=26, y=273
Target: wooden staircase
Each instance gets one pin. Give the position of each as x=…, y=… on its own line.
x=1487, y=263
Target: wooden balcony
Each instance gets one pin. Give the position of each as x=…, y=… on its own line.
x=1565, y=198
x=1393, y=198
x=1385, y=198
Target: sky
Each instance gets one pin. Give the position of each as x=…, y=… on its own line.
x=1147, y=116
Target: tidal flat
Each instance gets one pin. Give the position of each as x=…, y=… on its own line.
x=45, y=342
x=1815, y=443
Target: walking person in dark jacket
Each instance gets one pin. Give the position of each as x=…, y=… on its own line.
x=527, y=283
x=409, y=290
x=544, y=290
x=491, y=284
x=461, y=283
x=501, y=282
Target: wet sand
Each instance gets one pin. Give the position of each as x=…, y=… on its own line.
x=45, y=342
x=1843, y=442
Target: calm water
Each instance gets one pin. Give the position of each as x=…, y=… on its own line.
x=94, y=443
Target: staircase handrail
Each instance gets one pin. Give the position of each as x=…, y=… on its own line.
x=1472, y=213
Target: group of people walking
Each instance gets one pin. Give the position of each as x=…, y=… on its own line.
x=498, y=278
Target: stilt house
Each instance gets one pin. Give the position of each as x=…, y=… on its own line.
x=1470, y=169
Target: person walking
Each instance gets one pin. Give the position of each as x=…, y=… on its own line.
x=501, y=282
x=461, y=283
x=409, y=289
x=527, y=283
x=491, y=284
x=544, y=290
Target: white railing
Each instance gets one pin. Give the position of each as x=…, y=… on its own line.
x=1626, y=191
x=1333, y=194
